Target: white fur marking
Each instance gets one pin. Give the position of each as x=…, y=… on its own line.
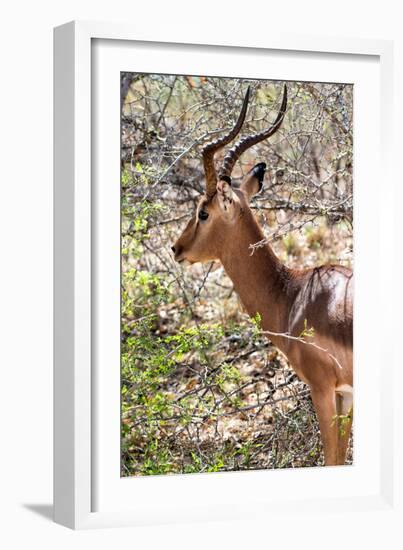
x=344, y=388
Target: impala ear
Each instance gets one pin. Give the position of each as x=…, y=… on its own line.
x=253, y=181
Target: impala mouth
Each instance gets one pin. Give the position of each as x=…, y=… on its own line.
x=179, y=255
x=184, y=262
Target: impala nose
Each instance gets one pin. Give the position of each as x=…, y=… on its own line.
x=177, y=249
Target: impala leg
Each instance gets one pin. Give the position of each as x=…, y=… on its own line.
x=344, y=405
x=325, y=405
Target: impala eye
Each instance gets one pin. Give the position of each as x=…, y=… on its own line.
x=203, y=215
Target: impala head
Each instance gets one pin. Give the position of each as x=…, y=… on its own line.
x=222, y=210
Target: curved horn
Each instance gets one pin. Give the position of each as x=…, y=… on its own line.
x=211, y=148
x=241, y=146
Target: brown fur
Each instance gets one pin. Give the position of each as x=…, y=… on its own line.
x=284, y=298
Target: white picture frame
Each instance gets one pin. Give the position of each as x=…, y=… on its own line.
x=87, y=491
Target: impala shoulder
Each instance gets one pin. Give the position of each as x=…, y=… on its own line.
x=323, y=297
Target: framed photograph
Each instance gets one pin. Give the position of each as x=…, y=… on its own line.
x=212, y=201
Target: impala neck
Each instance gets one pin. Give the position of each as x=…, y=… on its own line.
x=261, y=280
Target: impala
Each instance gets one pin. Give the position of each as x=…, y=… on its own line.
x=287, y=300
